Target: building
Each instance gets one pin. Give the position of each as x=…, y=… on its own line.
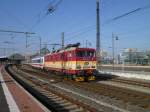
x=135, y=57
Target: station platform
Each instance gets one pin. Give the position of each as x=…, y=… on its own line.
x=3, y=102
x=128, y=74
x=14, y=98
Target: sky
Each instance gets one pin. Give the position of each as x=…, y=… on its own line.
x=77, y=18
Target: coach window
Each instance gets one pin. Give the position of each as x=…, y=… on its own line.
x=38, y=61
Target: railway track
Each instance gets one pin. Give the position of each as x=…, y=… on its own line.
x=128, y=81
x=127, y=96
x=114, y=79
x=138, y=99
x=55, y=101
x=127, y=68
x=132, y=82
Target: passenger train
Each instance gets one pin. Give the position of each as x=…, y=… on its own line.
x=38, y=62
x=72, y=62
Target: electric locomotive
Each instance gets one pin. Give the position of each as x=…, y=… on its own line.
x=73, y=62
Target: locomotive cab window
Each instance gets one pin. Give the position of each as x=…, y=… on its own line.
x=80, y=53
x=85, y=53
x=90, y=53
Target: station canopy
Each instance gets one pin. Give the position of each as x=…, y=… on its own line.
x=3, y=58
x=16, y=57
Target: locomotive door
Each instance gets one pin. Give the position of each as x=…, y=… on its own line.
x=63, y=61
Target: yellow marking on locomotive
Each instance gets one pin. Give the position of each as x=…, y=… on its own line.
x=79, y=79
x=90, y=78
x=74, y=65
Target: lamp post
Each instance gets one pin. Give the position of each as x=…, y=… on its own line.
x=114, y=37
x=123, y=59
x=122, y=63
x=98, y=41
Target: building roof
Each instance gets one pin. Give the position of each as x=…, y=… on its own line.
x=16, y=57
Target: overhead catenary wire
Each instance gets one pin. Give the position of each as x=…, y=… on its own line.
x=112, y=20
x=50, y=8
x=126, y=14
x=80, y=30
x=79, y=34
x=139, y=29
x=10, y=14
x=119, y=17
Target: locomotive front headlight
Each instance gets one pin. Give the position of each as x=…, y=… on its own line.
x=93, y=66
x=78, y=66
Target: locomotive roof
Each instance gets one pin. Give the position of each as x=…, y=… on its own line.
x=70, y=49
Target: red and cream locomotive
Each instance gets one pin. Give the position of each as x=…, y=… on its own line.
x=73, y=62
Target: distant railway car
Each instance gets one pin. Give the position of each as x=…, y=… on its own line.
x=73, y=62
x=38, y=62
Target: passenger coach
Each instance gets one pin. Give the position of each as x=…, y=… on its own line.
x=38, y=62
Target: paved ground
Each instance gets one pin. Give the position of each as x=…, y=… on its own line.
x=134, y=75
x=3, y=102
x=17, y=99
x=127, y=68
x=127, y=86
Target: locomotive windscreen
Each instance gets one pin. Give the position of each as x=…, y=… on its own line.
x=85, y=53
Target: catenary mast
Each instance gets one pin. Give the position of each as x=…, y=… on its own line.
x=98, y=49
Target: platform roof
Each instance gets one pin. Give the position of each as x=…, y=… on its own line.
x=1, y=57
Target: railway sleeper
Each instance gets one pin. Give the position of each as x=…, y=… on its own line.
x=61, y=104
x=47, y=93
x=147, y=106
x=66, y=108
x=55, y=98
x=140, y=104
x=78, y=110
x=61, y=101
x=144, y=104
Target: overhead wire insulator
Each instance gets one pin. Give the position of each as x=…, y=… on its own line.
x=50, y=9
